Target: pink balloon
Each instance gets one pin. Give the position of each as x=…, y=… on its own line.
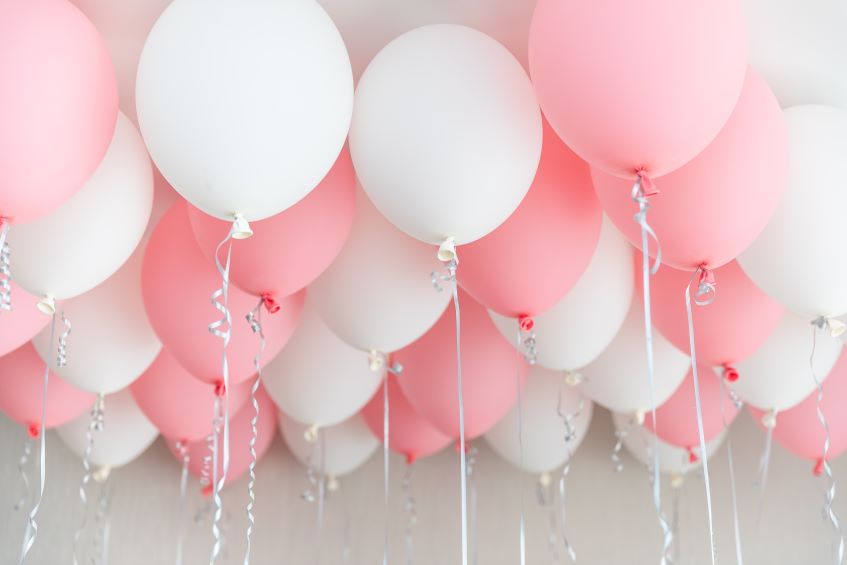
x=798, y=429
x=490, y=366
x=710, y=210
x=22, y=386
x=525, y=266
x=728, y=330
x=58, y=105
x=677, y=417
x=240, y=433
x=20, y=325
x=179, y=405
x=408, y=433
x=177, y=284
x=289, y=250
x=637, y=85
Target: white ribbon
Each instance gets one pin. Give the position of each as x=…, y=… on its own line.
x=94, y=425
x=254, y=318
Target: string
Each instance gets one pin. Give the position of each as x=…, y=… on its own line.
x=254, y=319
x=32, y=525
x=620, y=436
x=735, y=520
x=5, y=268
x=385, y=465
x=676, y=495
x=102, y=519
x=570, y=436
x=473, y=521
x=519, y=404
x=24, y=477
x=321, y=496
x=411, y=512
x=62, y=355
x=182, y=452
x=95, y=425
x=769, y=420
x=706, y=288
x=546, y=499
x=216, y=501
x=346, y=553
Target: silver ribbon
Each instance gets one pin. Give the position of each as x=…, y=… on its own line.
x=519, y=404
x=764, y=467
x=739, y=559
x=321, y=498
x=410, y=504
x=254, y=318
x=346, y=552
x=62, y=355
x=5, y=268
x=316, y=491
x=570, y=436
x=103, y=523
x=620, y=436
x=676, y=497
x=473, y=521
x=22, y=462
x=182, y=451
x=95, y=425
x=546, y=499
x=385, y=465
x=527, y=343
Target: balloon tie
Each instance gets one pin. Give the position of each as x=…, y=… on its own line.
x=730, y=374
x=270, y=303
x=828, y=511
x=546, y=499
x=184, y=457
x=62, y=355
x=704, y=296
x=5, y=267
x=641, y=191
x=410, y=505
x=524, y=322
x=570, y=437
x=22, y=463
x=254, y=319
x=527, y=343
x=727, y=395
x=95, y=425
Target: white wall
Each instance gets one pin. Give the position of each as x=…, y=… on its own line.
x=610, y=517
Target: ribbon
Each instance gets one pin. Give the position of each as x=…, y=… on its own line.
x=385, y=465
x=95, y=425
x=22, y=471
x=410, y=504
x=321, y=498
x=62, y=355
x=346, y=553
x=570, y=436
x=32, y=525
x=520, y=340
x=182, y=451
x=5, y=267
x=735, y=520
x=254, y=318
x=103, y=521
x=676, y=496
x=704, y=296
x=620, y=436
x=473, y=520
x=769, y=421
x=546, y=499
x=527, y=344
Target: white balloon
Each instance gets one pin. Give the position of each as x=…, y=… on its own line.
x=543, y=429
x=576, y=330
x=618, y=378
x=446, y=133
x=244, y=104
x=800, y=48
x=317, y=378
x=347, y=445
x=85, y=240
x=672, y=459
x=126, y=432
x=799, y=258
x=378, y=294
x=777, y=376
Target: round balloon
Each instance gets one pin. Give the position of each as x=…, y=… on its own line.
x=526, y=265
x=84, y=241
x=542, y=446
x=637, y=85
x=126, y=432
x=260, y=140
x=22, y=322
x=582, y=324
x=318, y=378
x=346, y=446
x=377, y=294
x=58, y=105
x=177, y=283
x=446, y=133
x=798, y=259
x=713, y=207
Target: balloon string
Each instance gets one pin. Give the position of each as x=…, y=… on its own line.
x=411, y=512
x=321, y=496
x=639, y=196
x=254, y=318
x=620, y=436
x=764, y=467
x=5, y=267
x=731, y=463
x=182, y=451
x=102, y=521
x=473, y=521
x=62, y=355
x=216, y=500
x=546, y=499
x=22, y=462
x=829, y=512
x=676, y=496
x=95, y=425
x=346, y=553
x=519, y=404
x=570, y=436
x=32, y=525
x=385, y=466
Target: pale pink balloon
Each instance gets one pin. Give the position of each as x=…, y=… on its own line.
x=711, y=209
x=491, y=371
x=240, y=432
x=637, y=85
x=409, y=433
x=677, y=417
x=177, y=285
x=529, y=263
x=22, y=323
x=289, y=250
x=22, y=389
x=728, y=330
x=58, y=105
x=179, y=405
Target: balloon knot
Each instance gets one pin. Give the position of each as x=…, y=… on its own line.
x=410, y=458
x=459, y=446
x=207, y=490
x=271, y=305
x=706, y=275
x=818, y=470
x=33, y=431
x=220, y=389
x=730, y=373
x=648, y=189
x=526, y=323
x=692, y=457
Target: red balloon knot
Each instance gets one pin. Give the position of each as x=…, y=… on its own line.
x=818, y=470
x=692, y=457
x=207, y=490
x=220, y=389
x=730, y=373
x=526, y=323
x=706, y=275
x=647, y=186
x=33, y=431
x=459, y=446
x=271, y=305
x=410, y=458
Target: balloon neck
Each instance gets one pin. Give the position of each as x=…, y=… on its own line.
x=692, y=457
x=730, y=373
x=207, y=490
x=410, y=458
x=220, y=389
x=240, y=228
x=47, y=305
x=818, y=470
x=526, y=323
x=459, y=446
x=677, y=480
x=447, y=250
x=270, y=303
x=648, y=188
x=33, y=431
x=769, y=419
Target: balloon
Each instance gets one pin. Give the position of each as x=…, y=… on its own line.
x=84, y=241
x=179, y=405
x=257, y=141
x=409, y=434
x=347, y=445
x=317, y=378
x=289, y=250
x=583, y=323
x=446, y=133
x=800, y=49
x=240, y=434
x=126, y=432
x=22, y=383
x=676, y=418
x=798, y=259
x=777, y=376
x=526, y=266
x=713, y=207
x=112, y=341
x=177, y=283
x=22, y=322
x=58, y=105
x=637, y=85
x=378, y=294
x=798, y=429
x=618, y=378
x=672, y=460
x=490, y=368
x=729, y=329
x=543, y=446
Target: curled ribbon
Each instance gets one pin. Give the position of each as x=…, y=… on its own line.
x=254, y=319
x=62, y=355
x=570, y=436
x=102, y=522
x=22, y=471
x=546, y=499
x=95, y=425
x=527, y=343
x=731, y=463
x=5, y=267
x=410, y=504
x=620, y=436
